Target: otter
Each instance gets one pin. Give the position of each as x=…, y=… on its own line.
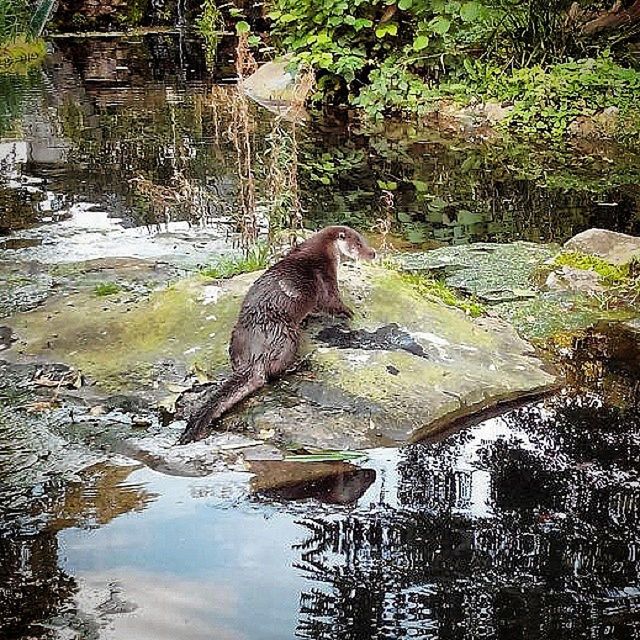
x=264, y=341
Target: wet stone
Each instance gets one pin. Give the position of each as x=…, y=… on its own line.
x=406, y=367
x=492, y=272
x=6, y=338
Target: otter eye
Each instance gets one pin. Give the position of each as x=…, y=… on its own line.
x=341, y=235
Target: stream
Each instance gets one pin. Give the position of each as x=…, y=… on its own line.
x=123, y=153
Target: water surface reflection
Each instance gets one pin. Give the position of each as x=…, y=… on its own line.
x=525, y=525
x=140, y=129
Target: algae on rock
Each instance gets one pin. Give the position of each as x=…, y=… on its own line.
x=354, y=395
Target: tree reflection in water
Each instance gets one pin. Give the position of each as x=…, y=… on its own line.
x=34, y=588
x=523, y=527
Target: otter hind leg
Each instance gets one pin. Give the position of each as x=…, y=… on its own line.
x=283, y=357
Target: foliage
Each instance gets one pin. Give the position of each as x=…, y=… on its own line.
x=532, y=32
x=18, y=56
x=546, y=101
x=394, y=89
x=104, y=289
x=210, y=24
x=404, y=58
x=438, y=290
x=23, y=19
x=228, y=266
x=212, y=21
x=543, y=101
x=14, y=88
x=346, y=40
x=610, y=273
x=14, y=19
x=324, y=168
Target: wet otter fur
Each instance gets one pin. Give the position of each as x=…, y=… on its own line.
x=264, y=341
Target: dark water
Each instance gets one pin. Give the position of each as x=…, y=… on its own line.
x=523, y=526
x=105, y=111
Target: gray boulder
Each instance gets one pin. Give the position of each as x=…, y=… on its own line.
x=616, y=248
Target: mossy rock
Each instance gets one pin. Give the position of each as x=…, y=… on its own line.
x=491, y=272
x=403, y=368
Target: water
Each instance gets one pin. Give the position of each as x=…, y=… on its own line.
x=525, y=525
x=105, y=112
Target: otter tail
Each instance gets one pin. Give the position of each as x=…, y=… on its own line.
x=236, y=388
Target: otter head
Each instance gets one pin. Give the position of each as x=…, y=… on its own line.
x=351, y=244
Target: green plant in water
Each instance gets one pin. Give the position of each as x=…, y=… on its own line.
x=227, y=266
x=210, y=24
x=20, y=54
x=104, y=289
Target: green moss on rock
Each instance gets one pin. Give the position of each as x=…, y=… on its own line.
x=117, y=344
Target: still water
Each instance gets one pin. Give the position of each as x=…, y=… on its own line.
x=110, y=122
x=525, y=525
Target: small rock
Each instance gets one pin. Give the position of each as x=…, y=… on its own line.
x=495, y=112
x=6, y=338
x=572, y=279
x=273, y=86
x=140, y=421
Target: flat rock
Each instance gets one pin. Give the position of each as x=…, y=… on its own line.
x=491, y=272
x=616, y=248
x=572, y=279
x=404, y=368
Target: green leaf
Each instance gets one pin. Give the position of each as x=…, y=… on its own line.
x=469, y=11
x=405, y=4
x=387, y=186
x=362, y=23
x=437, y=204
x=387, y=28
x=420, y=43
x=416, y=235
x=242, y=27
x=420, y=186
x=440, y=25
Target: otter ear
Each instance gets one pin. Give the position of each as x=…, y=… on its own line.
x=341, y=235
